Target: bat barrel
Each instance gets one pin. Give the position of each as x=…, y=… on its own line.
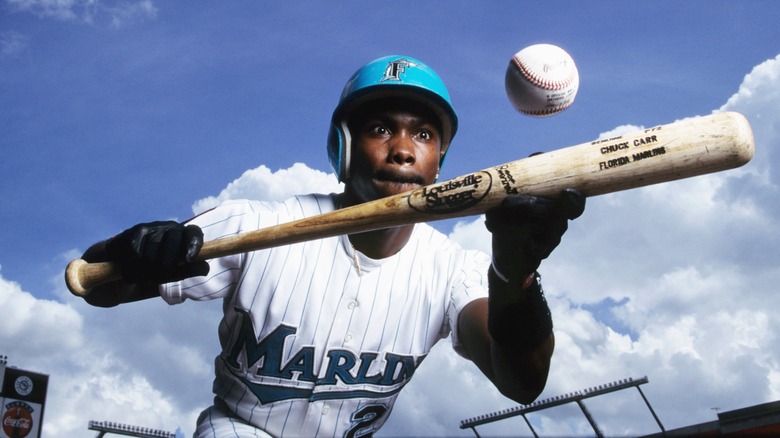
x=678, y=150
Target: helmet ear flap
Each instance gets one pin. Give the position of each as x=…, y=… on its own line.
x=339, y=148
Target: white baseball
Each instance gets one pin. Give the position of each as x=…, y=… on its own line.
x=541, y=80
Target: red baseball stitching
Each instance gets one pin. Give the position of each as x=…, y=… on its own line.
x=542, y=82
x=547, y=111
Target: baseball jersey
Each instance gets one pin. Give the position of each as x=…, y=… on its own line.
x=318, y=339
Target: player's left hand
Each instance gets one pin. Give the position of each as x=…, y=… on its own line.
x=526, y=229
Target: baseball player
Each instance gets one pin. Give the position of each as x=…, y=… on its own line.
x=319, y=337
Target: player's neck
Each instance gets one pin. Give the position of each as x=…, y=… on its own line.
x=380, y=244
x=377, y=244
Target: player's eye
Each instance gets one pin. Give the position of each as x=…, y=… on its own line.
x=426, y=135
x=378, y=129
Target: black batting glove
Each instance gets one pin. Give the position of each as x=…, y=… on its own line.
x=526, y=229
x=157, y=252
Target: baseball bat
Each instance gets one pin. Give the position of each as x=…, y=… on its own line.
x=682, y=149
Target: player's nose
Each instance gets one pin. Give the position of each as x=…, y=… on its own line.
x=402, y=149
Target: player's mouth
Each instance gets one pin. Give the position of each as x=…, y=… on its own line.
x=401, y=182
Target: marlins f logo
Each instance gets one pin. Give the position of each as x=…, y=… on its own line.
x=395, y=68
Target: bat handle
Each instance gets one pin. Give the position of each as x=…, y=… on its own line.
x=81, y=277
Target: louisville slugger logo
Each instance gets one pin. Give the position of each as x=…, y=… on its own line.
x=453, y=195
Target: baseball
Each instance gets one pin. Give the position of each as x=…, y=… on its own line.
x=541, y=80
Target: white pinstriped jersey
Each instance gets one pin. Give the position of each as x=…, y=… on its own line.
x=312, y=345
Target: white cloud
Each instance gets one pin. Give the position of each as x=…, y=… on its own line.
x=620, y=130
x=261, y=183
x=116, y=13
x=125, y=12
x=43, y=324
x=108, y=390
x=57, y=9
x=12, y=42
x=472, y=234
x=141, y=364
x=758, y=93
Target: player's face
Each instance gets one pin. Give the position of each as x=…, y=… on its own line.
x=395, y=148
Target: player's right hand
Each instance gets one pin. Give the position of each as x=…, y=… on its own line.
x=157, y=252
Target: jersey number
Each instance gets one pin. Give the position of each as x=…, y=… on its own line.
x=363, y=419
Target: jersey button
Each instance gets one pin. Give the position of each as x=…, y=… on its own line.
x=351, y=305
x=325, y=410
x=348, y=337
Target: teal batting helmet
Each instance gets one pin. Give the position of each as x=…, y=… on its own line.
x=389, y=76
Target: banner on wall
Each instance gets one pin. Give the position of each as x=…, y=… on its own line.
x=23, y=397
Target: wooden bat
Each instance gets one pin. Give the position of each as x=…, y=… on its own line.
x=669, y=152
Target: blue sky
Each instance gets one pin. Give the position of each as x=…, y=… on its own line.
x=116, y=112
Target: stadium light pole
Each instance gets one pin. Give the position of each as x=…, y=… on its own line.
x=574, y=397
x=104, y=427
